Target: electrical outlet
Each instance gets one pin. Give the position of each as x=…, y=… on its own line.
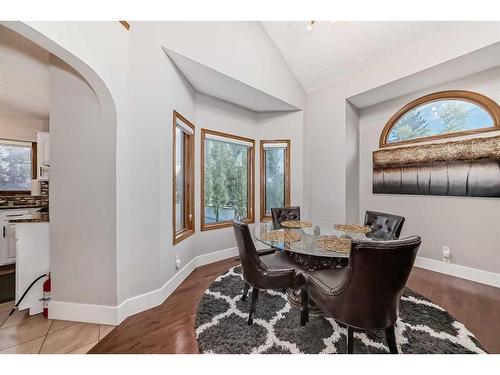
x=446, y=254
x=178, y=261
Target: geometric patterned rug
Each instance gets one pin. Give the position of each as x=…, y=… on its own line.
x=221, y=326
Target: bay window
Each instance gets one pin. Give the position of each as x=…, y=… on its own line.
x=274, y=176
x=183, y=178
x=227, y=179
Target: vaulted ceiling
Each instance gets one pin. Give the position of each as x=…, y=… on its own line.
x=331, y=50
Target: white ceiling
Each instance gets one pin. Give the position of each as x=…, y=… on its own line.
x=24, y=77
x=332, y=50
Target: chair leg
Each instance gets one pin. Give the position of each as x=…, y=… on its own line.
x=304, y=314
x=350, y=340
x=253, y=303
x=245, y=291
x=391, y=340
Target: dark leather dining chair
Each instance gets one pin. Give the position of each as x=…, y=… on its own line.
x=273, y=271
x=281, y=214
x=365, y=295
x=384, y=226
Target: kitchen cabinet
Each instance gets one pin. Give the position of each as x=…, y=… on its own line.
x=43, y=155
x=32, y=261
x=7, y=235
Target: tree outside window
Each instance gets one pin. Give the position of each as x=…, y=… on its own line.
x=16, y=169
x=275, y=179
x=227, y=172
x=441, y=115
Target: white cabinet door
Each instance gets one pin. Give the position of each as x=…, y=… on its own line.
x=33, y=260
x=10, y=235
x=4, y=257
x=46, y=151
x=7, y=233
x=43, y=155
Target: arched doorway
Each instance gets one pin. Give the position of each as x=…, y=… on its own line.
x=83, y=177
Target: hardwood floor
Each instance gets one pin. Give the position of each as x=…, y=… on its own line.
x=476, y=305
x=169, y=328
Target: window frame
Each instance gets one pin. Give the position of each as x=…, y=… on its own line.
x=263, y=216
x=250, y=183
x=34, y=168
x=189, y=202
x=480, y=100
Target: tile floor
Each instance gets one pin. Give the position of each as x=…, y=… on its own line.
x=21, y=333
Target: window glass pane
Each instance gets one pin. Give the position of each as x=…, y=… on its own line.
x=15, y=167
x=439, y=117
x=179, y=179
x=275, y=178
x=226, y=181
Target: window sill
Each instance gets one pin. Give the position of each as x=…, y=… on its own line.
x=182, y=235
x=223, y=224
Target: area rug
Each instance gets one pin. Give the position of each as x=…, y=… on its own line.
x=221, y=326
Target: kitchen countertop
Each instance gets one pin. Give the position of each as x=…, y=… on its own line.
x=20, y=206
x=44, y=218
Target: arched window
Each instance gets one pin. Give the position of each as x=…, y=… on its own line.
x=441, y=115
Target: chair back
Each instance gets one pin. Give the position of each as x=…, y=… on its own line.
x=376, y=277
x=251, y=264
x=281, y=214
x=384, y=226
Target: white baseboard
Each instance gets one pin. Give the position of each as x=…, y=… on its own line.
x=156, y=297
x=114, y=315
x=204, y=259
x=472, y=274
x=81, y=312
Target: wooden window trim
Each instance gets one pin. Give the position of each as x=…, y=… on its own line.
x=125, y=24
x=250, y=184
x=189, y=217
x=34, y=169
x=263, y=216
x=483, y=101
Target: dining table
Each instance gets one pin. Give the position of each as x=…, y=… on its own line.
x=305, y=245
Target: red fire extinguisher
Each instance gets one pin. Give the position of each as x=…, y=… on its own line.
x=46, y=297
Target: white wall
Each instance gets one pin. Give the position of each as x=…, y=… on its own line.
x=325, y=155
x=137, y=126
x=156, y=88
x=101, y=58
x=325, y=129
x=289, y=125
x=352, y=163
x=467, y=224
x=136, y=88
x=82, y=192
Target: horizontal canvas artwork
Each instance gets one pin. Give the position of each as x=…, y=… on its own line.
x=461, y=168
